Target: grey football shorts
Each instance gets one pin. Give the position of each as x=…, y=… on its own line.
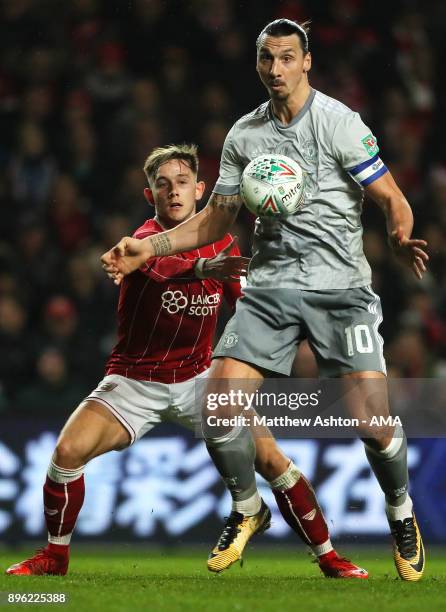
x=341, y=326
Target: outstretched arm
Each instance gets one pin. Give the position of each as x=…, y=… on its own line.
x=399, y=220
x=208, y=226
x=228, y=265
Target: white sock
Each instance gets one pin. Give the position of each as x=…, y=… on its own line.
x=61, y=540
x=399, y=513
x=248, y=507
x=393, y=446
x=322, y=549
x=287, y=480
x=64, y=475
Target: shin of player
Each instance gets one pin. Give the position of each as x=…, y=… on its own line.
x=90, y=431
x=234, y=452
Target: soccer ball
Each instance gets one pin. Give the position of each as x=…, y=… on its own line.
x=272, y=185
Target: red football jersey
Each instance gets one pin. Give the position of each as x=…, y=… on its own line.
x=167, y=316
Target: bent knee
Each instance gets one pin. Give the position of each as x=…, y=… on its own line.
x=69, y=453
x=265, y=466
x=271, y=465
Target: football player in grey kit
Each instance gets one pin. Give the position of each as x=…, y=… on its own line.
x=308, y=276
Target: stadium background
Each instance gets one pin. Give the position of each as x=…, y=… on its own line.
x=87, y=88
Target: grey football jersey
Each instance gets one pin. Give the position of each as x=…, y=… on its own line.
x=320, y=246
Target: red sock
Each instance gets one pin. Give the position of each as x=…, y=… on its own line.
x=62, y=504
x=300, y=509
x=58, y=549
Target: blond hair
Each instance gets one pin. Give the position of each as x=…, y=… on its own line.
x=161, y=155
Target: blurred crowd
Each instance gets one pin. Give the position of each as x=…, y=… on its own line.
x=89, y=87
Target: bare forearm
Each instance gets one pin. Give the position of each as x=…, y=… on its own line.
x=207, y=226
x=193, y=233
x=399, y=219
x=386, y=193
x=398, y=215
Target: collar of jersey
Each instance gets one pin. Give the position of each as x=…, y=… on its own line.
x=298, y=117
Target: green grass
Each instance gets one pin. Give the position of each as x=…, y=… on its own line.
x=128, y=579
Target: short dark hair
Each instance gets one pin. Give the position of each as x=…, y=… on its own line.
x=286, y=27
x=161, y=155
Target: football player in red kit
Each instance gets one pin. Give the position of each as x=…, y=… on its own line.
x=167, y=314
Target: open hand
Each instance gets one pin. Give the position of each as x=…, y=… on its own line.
x=125, y=257
x=410, y=252
x=225, y=267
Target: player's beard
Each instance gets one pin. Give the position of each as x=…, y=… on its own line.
x=279, y=97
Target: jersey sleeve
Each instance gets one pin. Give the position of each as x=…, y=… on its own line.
x=232, y=290
x=171, y=268
x=357, y=151
x=231, y=168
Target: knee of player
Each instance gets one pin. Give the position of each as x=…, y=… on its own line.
x=69, y=454
x=270, y=463
x=220, y=421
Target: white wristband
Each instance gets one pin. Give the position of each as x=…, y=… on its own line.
x=199, y=268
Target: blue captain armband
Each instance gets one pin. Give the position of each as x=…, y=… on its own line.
x=368, y=171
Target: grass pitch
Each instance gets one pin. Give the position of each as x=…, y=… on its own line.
x=270, y=580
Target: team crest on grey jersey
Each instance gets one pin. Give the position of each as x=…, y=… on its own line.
x=308, y=150
x=230, y=340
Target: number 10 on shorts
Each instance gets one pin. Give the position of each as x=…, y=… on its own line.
x=359, y=339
